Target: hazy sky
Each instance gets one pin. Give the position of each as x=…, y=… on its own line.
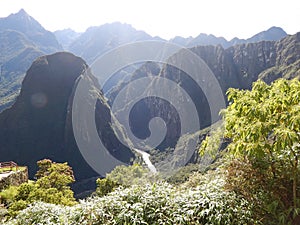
x=165, y=18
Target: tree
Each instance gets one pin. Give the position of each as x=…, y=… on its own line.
x=105, y=186
x=54, y=175
x=51, y=186
x=264, y=127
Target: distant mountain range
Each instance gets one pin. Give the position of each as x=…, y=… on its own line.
x=96, y=40
x=272, y=34
x=23, y=39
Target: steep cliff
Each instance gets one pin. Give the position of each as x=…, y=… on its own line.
x=39, y=124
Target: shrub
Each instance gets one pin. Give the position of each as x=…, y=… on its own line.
x=160, y=203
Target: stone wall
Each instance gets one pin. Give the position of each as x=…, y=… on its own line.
x=14, y=179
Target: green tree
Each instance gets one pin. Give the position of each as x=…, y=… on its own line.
x=7, y=195
x=52, y=186
x=105, y=186
x=263, y=125
x=53, y=182
x=54, y=175
x=24, y=190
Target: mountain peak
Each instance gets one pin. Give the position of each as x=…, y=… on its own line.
x=22, y=22
x=272, y=34
x=22, y=14
x=275, y=28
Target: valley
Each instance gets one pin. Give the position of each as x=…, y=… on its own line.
x=119, y=140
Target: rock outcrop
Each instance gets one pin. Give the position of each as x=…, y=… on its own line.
x=39, y=124
x=15, y=178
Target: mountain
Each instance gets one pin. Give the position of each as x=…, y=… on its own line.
x=25, y=24
x=39, y=123
x=204, y=39
x=272, y=34
x=66, y=37
x=237, y=66
x=287, y=63
x=22, y=40
x=181, y=40
x=97, y=40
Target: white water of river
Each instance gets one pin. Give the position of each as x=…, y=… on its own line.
x=146, y=158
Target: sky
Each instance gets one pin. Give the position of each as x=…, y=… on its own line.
x=164, y=18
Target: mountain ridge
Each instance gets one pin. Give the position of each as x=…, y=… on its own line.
x=24, y=23
x=22, y=39
x=31, y=40
x=272, y=34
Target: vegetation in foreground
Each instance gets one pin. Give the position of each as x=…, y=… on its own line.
x=158, y=203
x=51, y=186
x=257, y=182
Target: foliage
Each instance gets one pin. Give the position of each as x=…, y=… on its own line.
x=264, y=127
x=129, y=175
x=24, y=190
x=105, y=186
x=183, y=174
x=8, y=194
x=211, y=144
x=159, y=203
x=52, y=186
x=271, y=197
x=125, y=176
x=17, y=206
x=55, y=175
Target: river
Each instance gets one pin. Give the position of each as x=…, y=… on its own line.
x=146, y=158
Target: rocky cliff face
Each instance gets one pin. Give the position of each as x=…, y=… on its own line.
x=287, y=63
x=39, y=126
x=238, y=67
